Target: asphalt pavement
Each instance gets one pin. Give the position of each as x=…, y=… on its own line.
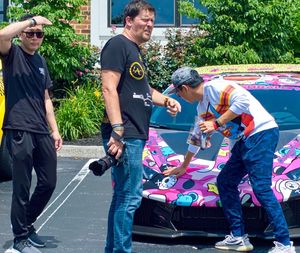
x=75, y=219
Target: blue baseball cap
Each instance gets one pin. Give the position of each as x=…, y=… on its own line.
x=187, y=76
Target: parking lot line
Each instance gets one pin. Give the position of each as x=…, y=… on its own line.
x=78, y=178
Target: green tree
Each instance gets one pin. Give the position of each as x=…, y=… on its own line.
x=296, y=36
x=65, y=51
x=243, y=31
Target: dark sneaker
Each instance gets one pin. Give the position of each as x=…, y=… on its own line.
x=23, y=246
x=35, y=240
x=280, y=248
x=236, y=243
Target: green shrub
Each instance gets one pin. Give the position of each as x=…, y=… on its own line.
x=163, y=59
x=80, y=114
x=244, y=31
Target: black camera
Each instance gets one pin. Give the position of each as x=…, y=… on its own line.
x=103, y=164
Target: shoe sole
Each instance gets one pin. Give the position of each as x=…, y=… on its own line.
x=235, y=248
x=36, y=245
x=11, y=250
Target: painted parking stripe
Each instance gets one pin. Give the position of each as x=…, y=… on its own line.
x=60, y=200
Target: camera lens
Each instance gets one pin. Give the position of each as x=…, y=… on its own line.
x=100, y=166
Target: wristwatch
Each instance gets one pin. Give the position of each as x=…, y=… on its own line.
x=32, y=22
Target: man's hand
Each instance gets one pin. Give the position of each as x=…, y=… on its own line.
x=115, y=147
x=42, y=20
x=178, y=171
x=207, y=127
x=57, y=140
x=173, y=106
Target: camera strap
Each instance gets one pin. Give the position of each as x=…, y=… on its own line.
x=117, y=137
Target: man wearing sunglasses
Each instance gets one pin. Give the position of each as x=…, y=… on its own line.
x=28, y=116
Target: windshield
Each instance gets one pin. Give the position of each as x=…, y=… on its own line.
x=283, y=105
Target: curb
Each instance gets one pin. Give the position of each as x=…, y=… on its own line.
x=81, y=151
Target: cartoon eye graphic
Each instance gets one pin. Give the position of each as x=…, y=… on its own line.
x=279, y=170
x=188, y=184
x=167, y=182
x=284, y=151
x=221, y=166
x=291, y=185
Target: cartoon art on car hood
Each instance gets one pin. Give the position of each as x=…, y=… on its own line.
x=197, y=187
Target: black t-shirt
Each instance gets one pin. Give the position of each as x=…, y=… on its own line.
x=26, y=78
x=122, y=55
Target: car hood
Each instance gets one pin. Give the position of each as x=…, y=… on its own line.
x=197, y=187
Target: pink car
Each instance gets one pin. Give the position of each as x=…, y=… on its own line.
x=190, y=205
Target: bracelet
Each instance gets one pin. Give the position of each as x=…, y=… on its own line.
x=215, y=125
x=117, y=137
x=117, y=125
x=166, y=102
x=32, y=22
x=218, y=123
x=119, y=128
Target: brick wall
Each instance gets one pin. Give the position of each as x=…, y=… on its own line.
x=84, y=27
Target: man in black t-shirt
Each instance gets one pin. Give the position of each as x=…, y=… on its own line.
x=28, y=114
x=128, y=102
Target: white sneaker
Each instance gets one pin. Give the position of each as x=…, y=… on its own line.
x=237, y=243
x=280, y=248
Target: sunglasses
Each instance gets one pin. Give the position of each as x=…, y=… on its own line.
x=30, y=35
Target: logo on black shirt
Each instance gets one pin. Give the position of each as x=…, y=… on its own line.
x=42, y=71
x=147, y=99
x=136, y=71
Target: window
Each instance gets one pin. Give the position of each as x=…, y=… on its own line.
x=167, y=14
x=3, y=7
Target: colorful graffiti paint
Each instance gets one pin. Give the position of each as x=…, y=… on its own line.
x=197, y=187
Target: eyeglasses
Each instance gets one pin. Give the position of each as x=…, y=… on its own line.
x=30, y=35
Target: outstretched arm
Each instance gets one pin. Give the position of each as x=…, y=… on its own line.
x=172, y=105
x=179, y=171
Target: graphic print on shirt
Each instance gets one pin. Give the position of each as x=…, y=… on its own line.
x=234, y=128
x=136, y=71
x=147, y=100
x=42, y=71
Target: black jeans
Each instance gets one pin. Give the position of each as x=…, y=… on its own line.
x=30, y=150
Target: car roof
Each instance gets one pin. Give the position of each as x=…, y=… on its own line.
x=248, y=68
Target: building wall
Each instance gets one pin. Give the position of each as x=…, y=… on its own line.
x=84, y=27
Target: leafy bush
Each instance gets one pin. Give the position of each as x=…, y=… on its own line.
x=163, y=59
x=247, y=31
x=80, y=114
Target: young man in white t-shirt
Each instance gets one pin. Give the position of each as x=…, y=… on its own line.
x=226, y=107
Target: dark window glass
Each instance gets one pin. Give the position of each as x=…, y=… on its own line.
x=3, y=7
x=117, y=7
x=166, y=13
x=284, y=110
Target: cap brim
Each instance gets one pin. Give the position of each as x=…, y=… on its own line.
x=171, y=89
